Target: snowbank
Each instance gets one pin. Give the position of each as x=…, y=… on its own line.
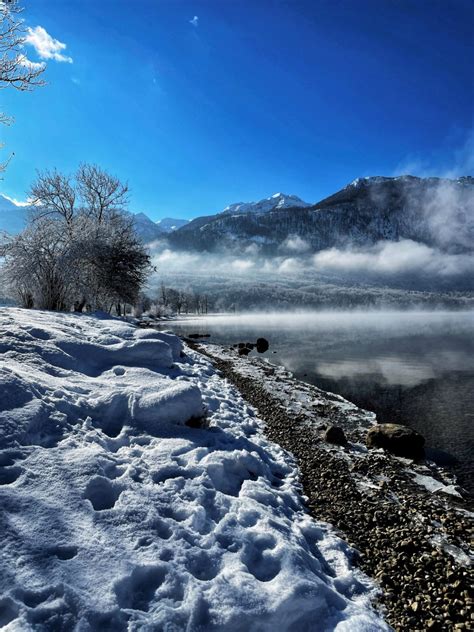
x=116, y=515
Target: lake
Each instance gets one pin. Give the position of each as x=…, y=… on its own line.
x=414, y=368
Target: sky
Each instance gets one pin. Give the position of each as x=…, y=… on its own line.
x=205, y=103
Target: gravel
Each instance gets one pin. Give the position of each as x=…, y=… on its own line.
x=414, y=543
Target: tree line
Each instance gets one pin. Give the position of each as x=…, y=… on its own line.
x=168, y=301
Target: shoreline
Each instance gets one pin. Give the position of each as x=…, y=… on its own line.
x=412, y=541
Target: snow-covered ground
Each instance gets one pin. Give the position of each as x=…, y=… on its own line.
x=117, y=515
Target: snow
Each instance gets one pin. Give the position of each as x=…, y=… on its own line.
x=456, y=553
x=117, y=515
x=276, y=201
x=434, y=486
x=169, y=224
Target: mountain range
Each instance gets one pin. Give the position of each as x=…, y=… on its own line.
x=434, y=211
x=438, y=212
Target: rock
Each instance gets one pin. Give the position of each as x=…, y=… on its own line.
x=397, y=439
x=244, y=351
x=262, y=345
x=195, y=336
x=335, y=434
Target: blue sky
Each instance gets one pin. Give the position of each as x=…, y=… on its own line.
x=248, y=99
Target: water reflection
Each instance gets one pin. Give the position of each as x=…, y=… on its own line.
x=389, y=369
x=416, y=368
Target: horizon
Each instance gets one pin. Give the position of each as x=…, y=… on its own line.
x=201, y=105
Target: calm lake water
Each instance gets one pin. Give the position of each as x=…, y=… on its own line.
x=415, y=368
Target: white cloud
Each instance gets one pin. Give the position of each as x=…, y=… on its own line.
x=194, y=21
x=46, y=46
x=32, y=65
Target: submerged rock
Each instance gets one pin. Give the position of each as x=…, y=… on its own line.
x=397, y=439
x=262, y=345
x=335, y=434
x=244, y=351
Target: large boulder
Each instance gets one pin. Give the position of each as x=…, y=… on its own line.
x=397, y=439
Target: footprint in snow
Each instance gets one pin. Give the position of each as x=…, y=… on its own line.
x=138, y=589
x=9, y=475
x=8, y=611
x=101, y=493
x=262, y=564
x=203, y=566
x=33, y=598
x=64, y=552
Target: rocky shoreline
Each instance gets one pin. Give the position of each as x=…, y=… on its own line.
x=409, y=524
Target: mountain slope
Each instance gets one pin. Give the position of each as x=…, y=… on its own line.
x=434, y=211
x=170, y=224
x=13, y=217
x=146, y=229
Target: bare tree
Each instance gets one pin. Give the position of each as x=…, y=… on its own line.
x=164, y=295
x=16, y=71
x=87, y=240
x=102, y=194
x=53, y=194
x=112, y=263
x=37, y=266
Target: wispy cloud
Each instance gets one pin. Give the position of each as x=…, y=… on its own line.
x=194, y=21
x=459, y=161
x=46, y=46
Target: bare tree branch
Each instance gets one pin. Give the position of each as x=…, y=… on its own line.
x=16, y=70
x=53, y=194
x=102, y=193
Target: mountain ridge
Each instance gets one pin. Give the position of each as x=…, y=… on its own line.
x=366, y=211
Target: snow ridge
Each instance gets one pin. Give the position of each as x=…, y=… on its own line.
x=116, y=515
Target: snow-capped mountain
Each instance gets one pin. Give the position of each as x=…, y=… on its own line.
x=170, y=224
x=274, y=202
x=13, y=216
x=435, y=211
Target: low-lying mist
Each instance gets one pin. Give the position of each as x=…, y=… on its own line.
x=385, y=259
